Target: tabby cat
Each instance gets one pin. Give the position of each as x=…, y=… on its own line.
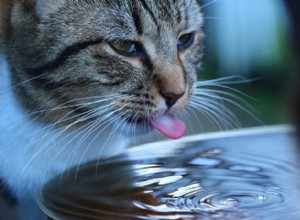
x=80, y=79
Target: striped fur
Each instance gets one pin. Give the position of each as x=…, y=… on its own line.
x=70, y=90
x=67, y=50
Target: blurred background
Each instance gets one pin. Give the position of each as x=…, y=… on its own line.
x=254, y=39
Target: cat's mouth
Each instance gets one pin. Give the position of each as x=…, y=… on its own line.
x=168, y=125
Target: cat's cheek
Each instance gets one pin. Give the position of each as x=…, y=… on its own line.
x=44, y=7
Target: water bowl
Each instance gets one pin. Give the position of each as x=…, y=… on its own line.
x=244, y=174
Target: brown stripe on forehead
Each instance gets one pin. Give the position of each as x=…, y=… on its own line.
x=149, y=11
x=165, y=7
x=137, y=19
x=168, y=10
x=178, y=12
x=62, y=57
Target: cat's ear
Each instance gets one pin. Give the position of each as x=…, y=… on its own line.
x=44, y=7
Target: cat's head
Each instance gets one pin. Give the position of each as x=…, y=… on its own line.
x=103, y=61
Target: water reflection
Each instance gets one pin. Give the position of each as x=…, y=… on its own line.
x=250, y=175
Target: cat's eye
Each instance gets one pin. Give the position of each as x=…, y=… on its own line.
x=126, y=48
x=185, y=40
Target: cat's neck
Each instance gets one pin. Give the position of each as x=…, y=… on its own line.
x=43, y=150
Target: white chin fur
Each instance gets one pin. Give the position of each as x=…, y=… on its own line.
x=31, y=153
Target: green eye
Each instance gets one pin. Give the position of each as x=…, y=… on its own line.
x=126, y=48
x=185, y=41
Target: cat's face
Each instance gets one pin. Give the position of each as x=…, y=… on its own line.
x=131, y=61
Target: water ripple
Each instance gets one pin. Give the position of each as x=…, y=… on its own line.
x=252, y=177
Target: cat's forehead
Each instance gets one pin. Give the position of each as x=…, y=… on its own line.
x=151, y=17
x=129, y=18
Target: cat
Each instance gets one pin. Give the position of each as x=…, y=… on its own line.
x=80, y=79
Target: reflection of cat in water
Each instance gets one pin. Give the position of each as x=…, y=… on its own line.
x=81, y=79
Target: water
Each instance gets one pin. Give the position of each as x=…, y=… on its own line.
x=253, y=174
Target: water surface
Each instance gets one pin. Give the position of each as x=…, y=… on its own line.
x=251, y=174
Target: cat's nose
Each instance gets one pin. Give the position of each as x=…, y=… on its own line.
x=171, y=98
x=170, y=81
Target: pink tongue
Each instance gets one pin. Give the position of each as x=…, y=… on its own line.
x=169, y=125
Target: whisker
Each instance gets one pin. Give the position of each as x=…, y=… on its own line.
x=214, y=18
x=208, y=4
x=24, y=82
x=135, y=122
x=63, y=119
x=188, y=117
x=100, y=122
x=87, y=131
x=226, y=80
x=86, y=128
x=80, y=105
x=228, y=100
x=92, y=128
x=112, y=120
x=57, y=133
x=220, y=89
x=115, y=118
x=211, y=115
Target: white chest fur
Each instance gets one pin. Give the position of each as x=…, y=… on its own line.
x=31, y=153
